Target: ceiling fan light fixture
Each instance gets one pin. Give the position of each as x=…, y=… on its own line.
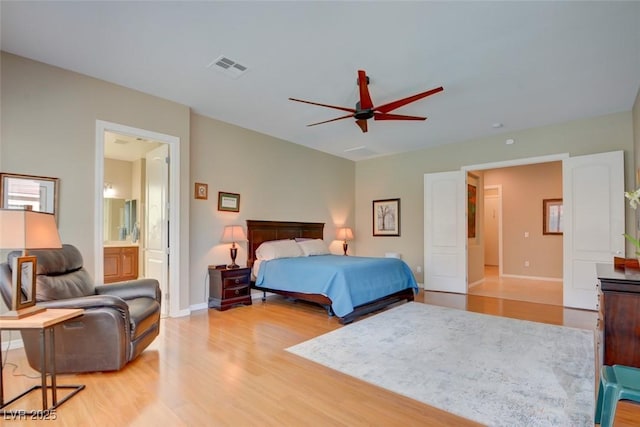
x=365, y=109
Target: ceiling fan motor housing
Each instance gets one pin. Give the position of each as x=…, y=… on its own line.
x=361, y=114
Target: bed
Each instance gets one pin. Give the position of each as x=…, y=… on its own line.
x=360, y=287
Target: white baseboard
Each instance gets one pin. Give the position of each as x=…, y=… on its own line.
x=200, y=306
x=12, y=344
x=258, y=295
x=545, y=279
x=477, y=282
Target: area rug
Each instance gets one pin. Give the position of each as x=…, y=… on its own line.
x=493, y=370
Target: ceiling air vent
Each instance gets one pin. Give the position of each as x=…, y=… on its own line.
x=228, y=66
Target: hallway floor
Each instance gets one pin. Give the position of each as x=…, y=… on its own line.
x=530, y=290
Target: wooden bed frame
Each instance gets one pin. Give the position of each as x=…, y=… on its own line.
x=263, y=231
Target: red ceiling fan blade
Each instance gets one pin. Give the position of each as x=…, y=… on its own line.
x=404, y=101
x=351, y=110
x=363, y=84
x=383, y=116
x=363, y=125
x=332, y=120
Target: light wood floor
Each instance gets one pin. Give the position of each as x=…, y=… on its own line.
x=230, y=369
x=531, y=290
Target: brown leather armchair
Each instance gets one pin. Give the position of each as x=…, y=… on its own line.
x=119, y=322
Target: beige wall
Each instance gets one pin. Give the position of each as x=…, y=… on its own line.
x=49, y=128
x=635, y=215
x=635, y=112
x=276, y=180
x=402, y=175
x=523, y=189
x=119, y=174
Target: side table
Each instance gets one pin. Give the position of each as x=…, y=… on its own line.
x=44, y=322
x=229, y=287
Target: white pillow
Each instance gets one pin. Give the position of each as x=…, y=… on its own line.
x=278, y=249
x=314, y=247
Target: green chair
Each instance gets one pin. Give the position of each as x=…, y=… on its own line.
x=617, y=382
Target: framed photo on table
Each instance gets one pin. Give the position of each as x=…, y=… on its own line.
x=386, y=217
x=24, y=279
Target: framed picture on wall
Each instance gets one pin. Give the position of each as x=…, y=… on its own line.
x=201, y=191
x=386, y=217
x=472, y=206
x=39, y=193
x=552, y=216
x=229, y=202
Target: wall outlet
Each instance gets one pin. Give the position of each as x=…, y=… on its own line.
x=419, y=269
x=526, y=263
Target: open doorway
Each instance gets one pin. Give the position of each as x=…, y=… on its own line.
x=523, y=263
x=593, y=223
x=133, y=166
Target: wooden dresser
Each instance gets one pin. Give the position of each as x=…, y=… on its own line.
x=620, y=306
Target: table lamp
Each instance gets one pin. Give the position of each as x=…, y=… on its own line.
x=345, y=234
x=233, y=234
x=26, y=229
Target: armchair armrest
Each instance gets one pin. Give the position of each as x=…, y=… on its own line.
x=149, y=288
x=88, y=302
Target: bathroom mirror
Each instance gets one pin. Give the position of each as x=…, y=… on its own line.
x=120, y=219
x=38, y=192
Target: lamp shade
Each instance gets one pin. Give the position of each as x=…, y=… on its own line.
x=233, y=233
x=25, y=229
x=345, y=233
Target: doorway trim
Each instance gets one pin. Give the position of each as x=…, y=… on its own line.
x=174, y=197
x=517, y=162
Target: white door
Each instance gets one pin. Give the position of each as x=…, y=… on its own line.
x=593, y=207
x=156, y=252
x=445, y=232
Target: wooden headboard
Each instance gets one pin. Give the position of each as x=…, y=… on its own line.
x=263, y=231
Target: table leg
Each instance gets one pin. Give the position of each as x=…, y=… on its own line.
x=43, y=369
x=1, y=371
x=52, y=358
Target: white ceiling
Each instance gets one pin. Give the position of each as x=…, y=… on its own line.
x=522, y=64
x=127, y=148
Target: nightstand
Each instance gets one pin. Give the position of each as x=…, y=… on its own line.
x=229, y=287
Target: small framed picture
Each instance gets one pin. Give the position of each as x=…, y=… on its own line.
x=201, y=191
x=229, y=202
x=386, y=217
x=24, y=293
x=552, y=216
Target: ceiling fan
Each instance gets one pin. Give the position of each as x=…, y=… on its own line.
x=365, y=109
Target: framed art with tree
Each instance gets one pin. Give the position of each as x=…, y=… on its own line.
x=386, y=217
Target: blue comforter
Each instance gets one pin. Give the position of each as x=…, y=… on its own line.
x=348, y=281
